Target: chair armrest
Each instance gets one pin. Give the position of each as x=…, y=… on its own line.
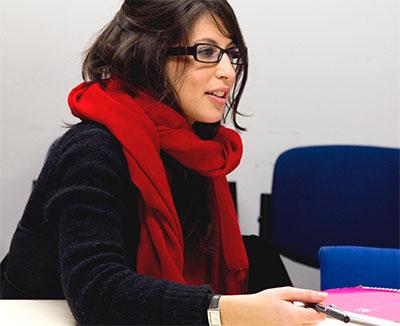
x=265, y=211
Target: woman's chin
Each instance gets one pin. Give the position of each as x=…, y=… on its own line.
x=211, y=118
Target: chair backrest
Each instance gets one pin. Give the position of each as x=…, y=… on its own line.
x=348, y=266
x=333, y=195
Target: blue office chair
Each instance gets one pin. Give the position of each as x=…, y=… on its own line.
x=332, y=195
x=348, y=266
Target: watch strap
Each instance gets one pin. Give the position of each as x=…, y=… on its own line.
x=213, y=312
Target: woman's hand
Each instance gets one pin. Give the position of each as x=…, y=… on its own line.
x=271, y=307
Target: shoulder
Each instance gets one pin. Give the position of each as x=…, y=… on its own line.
x=87, y=138
x=86, y=133
x=88, y=147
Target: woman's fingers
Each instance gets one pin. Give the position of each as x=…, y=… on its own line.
x=302, y=315
x=295, y=294
x=309, y=315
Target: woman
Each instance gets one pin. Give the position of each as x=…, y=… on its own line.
x=131, y=218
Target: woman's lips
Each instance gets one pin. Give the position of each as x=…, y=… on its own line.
x=216, y=99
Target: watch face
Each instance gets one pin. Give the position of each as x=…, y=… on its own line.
x=214, y=317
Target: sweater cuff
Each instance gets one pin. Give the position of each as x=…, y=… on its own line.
x=209, y=299
x=186, y=304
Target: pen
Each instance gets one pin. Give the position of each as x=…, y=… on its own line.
x=330, y=311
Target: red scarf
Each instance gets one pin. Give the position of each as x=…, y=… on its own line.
x=144, y=126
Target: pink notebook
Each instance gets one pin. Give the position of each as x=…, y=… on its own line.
x=380, y=303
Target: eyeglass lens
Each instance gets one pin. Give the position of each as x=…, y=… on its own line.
x=213, y=53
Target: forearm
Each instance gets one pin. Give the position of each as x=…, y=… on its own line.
x=101, y=288
x=271, y=307
x=233, y=308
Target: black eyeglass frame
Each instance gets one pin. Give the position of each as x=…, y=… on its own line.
x=192, y=50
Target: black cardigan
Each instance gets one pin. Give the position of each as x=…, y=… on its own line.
x=78, y=240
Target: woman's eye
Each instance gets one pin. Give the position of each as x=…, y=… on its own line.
x=234, y=53
x=206, y=51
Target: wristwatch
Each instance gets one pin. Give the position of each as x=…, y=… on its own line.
x=213, y=312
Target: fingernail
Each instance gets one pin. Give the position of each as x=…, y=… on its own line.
x=322, y=295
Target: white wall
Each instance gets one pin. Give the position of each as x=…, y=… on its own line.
x=322, y=72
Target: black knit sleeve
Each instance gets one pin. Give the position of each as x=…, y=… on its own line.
x=90, y=205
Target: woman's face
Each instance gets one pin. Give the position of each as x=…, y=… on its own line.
x=203, y=88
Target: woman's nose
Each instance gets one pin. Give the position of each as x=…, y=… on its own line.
x=225, y=68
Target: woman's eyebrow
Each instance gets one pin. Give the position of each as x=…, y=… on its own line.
x=212, y=41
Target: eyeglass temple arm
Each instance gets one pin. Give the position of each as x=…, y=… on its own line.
x=181, y=50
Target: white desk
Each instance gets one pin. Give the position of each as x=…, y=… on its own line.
x=57, y=313
x=35, y=313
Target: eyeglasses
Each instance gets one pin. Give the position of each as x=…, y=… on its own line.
x=208, y=53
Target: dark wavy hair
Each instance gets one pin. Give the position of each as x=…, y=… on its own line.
x=133, y=46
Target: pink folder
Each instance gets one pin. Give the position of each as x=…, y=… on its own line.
x=375, y=302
